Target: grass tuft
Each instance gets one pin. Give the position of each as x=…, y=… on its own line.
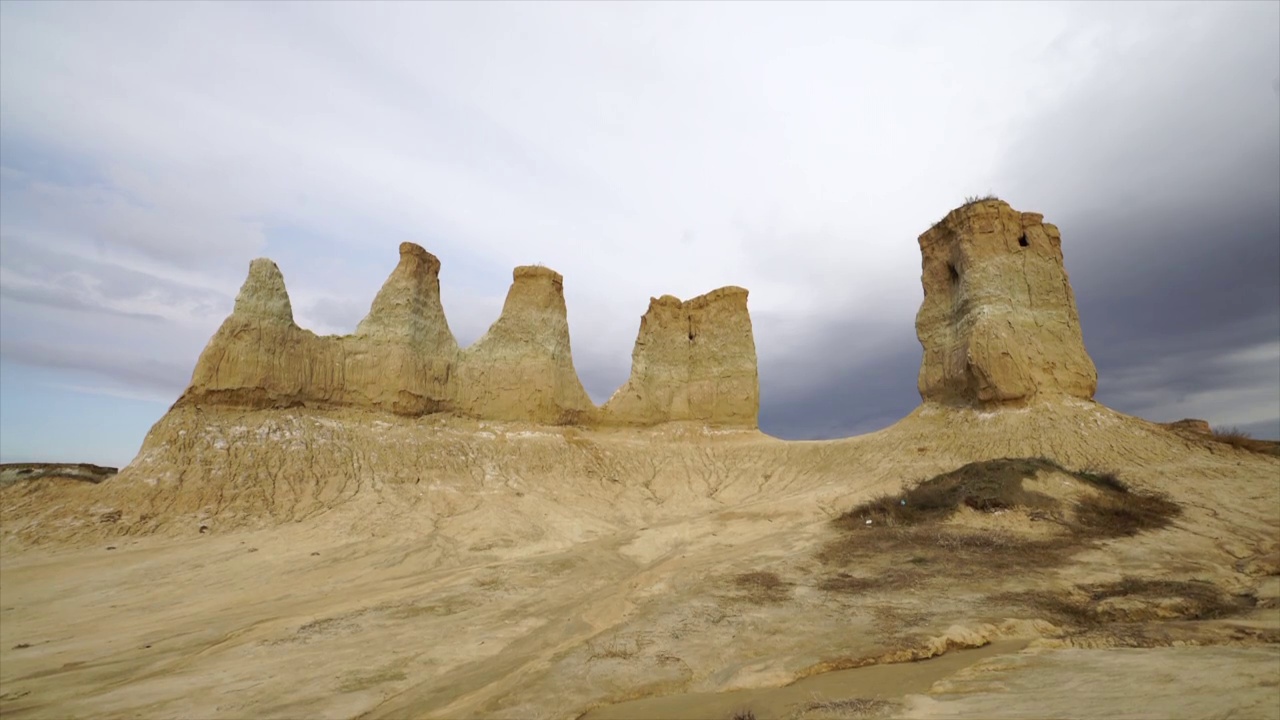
x=855, y=707
x=1242, y=440
x=975, y=199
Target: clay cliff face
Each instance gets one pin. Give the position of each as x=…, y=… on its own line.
x=998, y=324
x=696, y=362
x=693, y=360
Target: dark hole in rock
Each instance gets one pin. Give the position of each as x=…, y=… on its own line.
x=1023, y=240
x=955, y=274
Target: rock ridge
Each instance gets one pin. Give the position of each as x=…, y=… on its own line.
x=404, y=359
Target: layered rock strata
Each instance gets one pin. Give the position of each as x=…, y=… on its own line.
x=693, y=360
x=695, y=363
x=998, y=324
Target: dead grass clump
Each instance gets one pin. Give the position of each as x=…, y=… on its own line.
x=991, y=541
x=991, y=485
x=893, y=578
x=906, y=531
x=1124, y=514
x=763, y=587
x=1200, y=600
x=1101, y=479
x=985, y=486
x=747, y=714
x=857, y=707
x=975, y=199
x=1244, y=441
x=1132, y=600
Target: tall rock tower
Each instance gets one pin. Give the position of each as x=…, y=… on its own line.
x=998, y=324
x=402, y=354
x=693, y=360
x=522, y=368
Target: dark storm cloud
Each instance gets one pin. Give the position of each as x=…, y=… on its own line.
x=1164, y=177
x=1163, y=173
x=1213, y=289
x=870, y=393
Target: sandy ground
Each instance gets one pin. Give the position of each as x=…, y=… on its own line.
x=543, y=587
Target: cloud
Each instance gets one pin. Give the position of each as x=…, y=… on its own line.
x=132, y=370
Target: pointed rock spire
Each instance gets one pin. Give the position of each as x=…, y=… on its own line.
x=408, y=305
x=522, y=368
x=263, y=295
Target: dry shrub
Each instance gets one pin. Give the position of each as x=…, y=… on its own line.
x=892, y=578
x=1238, y=438
x=975, y=199
x=1086, y=606
x=1122, y=515
x=856, y=707
x=985, y=486
x=991, y=485
x=907, y=529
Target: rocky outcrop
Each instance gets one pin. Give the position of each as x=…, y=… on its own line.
x=998, y=324
x=522, y=368
x=693, y=360
x=695, y=363
x=399, y=359
x=259, y=358
x=1192, y=425
x=402, y=355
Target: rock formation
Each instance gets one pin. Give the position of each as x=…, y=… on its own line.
x=693, y=360
x=1193, y=425
x=998, y=324
x=522, y=368
x=399, y=359
x=402, y=355
x=259, y=358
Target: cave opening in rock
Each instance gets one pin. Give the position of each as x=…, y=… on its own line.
x=955, y=274
x=1023, y=240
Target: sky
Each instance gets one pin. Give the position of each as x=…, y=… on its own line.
x=149, y=151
